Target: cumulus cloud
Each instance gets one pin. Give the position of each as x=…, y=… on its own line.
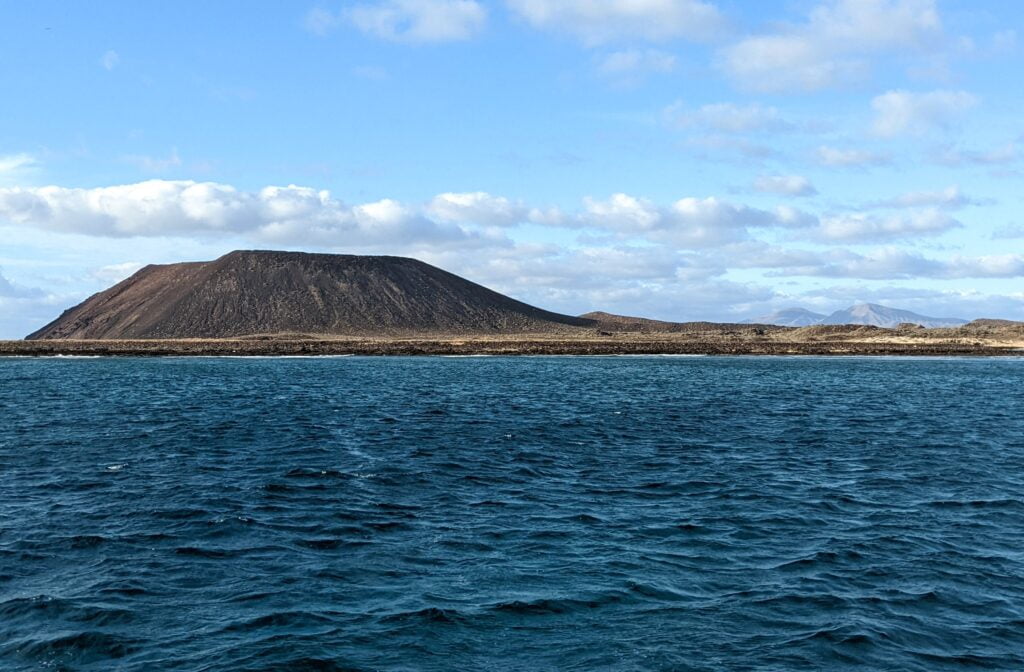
x=689, y=222
x=785, y=185
x=834, y=46
x=864, y=228
x=298, y=215
x=412, y=21
x=629, y=254
x=293, y=214
x=882, y=263
x=588, y=267
x=716, y=299
x=726, y=118
x=905, y=112
x=476, y=208
x=849, y=158
x=597, y=22
x=950, y=198
x=652, y=281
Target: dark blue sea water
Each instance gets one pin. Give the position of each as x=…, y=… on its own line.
x=511, y=514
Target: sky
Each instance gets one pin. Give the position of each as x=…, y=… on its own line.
x=675, y=159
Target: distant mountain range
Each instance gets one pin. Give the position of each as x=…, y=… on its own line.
x=789, y=317
x=863, y=313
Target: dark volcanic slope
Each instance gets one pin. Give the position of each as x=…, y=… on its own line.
x=255, y=292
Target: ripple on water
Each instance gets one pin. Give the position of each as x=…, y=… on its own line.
x=511, y=514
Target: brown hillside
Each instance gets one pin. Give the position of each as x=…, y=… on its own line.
x=625, y=323
x=257, y=292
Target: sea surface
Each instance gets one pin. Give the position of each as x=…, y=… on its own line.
x=538, y=513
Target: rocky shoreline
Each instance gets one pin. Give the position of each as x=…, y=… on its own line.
x=520, y=345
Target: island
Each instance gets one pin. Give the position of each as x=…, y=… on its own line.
x=269, y=303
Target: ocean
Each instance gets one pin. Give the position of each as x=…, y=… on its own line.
x=490, y=513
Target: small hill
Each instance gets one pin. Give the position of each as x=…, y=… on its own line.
x=259, y=292
x=626, y=323
x=872, y=314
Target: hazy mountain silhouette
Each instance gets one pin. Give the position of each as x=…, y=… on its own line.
x=789, y=317
x=883, y=316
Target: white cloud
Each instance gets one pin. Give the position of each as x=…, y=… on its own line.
x=14, y=162
x=597, y=22
x=476, y=208
x=652, y=281
x=849, y=158
x=585, y=268
x=292, y=214
x=689, y=222
x=905, y=112
x=785, y=185
x=726, y=118
x=623, y=212
x=950, y=198
x=109, y=60
x=834, y=46
x=987, y=266
x=631, y=63
x=629, y=255
x=891, y=263
x=716, y=299
x=882, y=263
x=1004, y=154
x=302, y=215
x=15, y=167
x=416, y=21
x=863, y=228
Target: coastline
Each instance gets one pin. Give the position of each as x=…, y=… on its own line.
x=526, y=344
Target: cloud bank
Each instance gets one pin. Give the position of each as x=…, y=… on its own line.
x=692, y=237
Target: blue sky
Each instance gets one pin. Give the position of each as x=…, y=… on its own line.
x=680, y=159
